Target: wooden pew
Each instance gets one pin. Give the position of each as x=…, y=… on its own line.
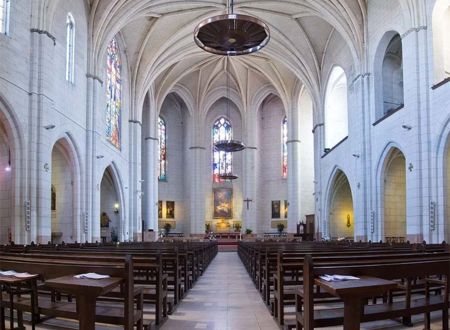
x=124, y=312
x=431, y=270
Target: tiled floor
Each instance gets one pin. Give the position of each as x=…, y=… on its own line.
x=223, y=298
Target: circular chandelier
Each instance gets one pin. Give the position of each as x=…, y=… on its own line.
x=229, y=145
x=232, y=34
x=228, y=176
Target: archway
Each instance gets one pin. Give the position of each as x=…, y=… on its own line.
x=394, y=196
x=341, y=213
x=62, y=190
x=110, y=208
x=336, y=108
x=6, y=187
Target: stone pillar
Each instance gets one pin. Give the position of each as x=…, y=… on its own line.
x=249, y=212
x=293, y=178
x=150, y=204
x=196, y=194
x=196, y=174
x=90, y=216
x=418, y=159
x=37, y=201
x=320, y=221
x=133, y=224
x=150, y=149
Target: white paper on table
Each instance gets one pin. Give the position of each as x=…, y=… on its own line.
x=8, y=273
x=15, y=274
x=335, y=278
x=92, y=276
x=23, y=275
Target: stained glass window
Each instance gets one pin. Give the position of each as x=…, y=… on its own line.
x=162, y=132
x=284, y=151
x=4, y=16
x=222, y=161
x=70, y=49
x=113, y=93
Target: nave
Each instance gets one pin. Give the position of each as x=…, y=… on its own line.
x=226, y=299
x=223, y=298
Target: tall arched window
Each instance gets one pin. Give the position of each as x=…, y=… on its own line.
x=393, y=76
x=284, y=151
x=4, y=16
x=70, y=49
x=336, y=111
x=162, y=134
x=222, y=161
x=113, y=93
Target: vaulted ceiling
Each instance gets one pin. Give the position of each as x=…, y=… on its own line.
x=161, y=53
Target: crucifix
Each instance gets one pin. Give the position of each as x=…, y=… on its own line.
x=248, y=200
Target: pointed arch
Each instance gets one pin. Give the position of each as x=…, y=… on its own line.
x=70, y=48
x=336, y=107
x=65, y=183
x=284, y=148
x=12, y=135
x=341, y=222
x=388, y=75
x=162, y=154
x=112, y=202
x=222, y=161
x=393, y=195
x=5, y=10
x=113, y=93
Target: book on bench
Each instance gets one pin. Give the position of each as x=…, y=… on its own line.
x=92, y=276
x=16, y=274
x=335, y=278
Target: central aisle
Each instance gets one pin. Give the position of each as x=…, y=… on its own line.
x=223, y=298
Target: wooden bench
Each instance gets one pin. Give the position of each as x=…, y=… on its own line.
x=435, y=272
x=127, y=309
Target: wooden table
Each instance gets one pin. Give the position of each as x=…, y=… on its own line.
x=353, y=293
x=86, y=292
x=13, y=287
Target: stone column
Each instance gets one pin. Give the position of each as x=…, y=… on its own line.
x=293, y=177
x=90, y=216
x=196, y=172
x=133, y=225
x=249, y=214
x=321, y=229
x=37, y=220
x=150, y=150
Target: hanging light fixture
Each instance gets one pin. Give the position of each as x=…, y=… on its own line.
x=228, y=145
x=232, y=34
x=228, y=176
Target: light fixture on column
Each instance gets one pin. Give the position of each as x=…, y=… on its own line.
x=116, y=208
x=8, y=167
x=349, y=224
x=232, y=34
x=407, y=127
